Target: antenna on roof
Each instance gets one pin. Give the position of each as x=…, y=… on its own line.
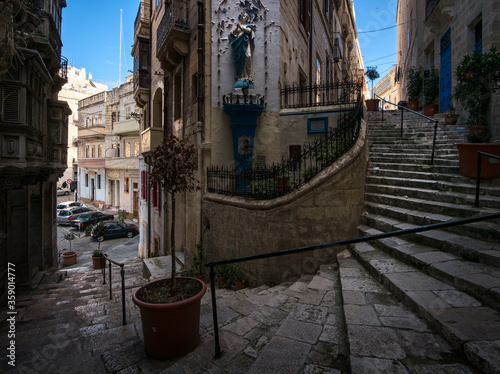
x=121, y=35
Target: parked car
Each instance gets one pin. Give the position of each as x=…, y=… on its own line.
x=69, y=204
x=114, y=229
x=90, y=218
x=63, y=191
x=64, y=215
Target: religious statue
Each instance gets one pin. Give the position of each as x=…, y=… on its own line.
x=243, y=46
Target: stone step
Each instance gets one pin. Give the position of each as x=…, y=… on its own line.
x=432, y=207
x=384, y=334
x=470, y=249
x=485, y=230
x=424, y=167
x=478, y=280
x=434, y=184
x=466, y=324
x=422, y=159
x=403, y=149
x=487, y=201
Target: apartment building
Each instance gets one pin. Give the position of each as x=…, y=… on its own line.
x=293, y=57
x=108, y=149
x=387, y=88
x=79, y=86
x=33, y=137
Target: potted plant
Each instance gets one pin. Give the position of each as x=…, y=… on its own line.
x=478, y=77
x=414, y=87
x=98, y=259
x=170, y=307
x=451, y=116
x=69, y=258
x=431, y=93
x=88, y=230
x=122, y=215
x=221, y=273
x=196, y=267
x=372, y=74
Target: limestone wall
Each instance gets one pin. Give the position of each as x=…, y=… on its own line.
x=325, y=210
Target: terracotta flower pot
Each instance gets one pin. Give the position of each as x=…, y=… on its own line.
x=413, y=105
x=451, y=119
x=98, y=262
x=239, y=285
x=430, y=110
x=221, y=282
x=467, y=154
x=172, y=329
x=69, y=258
x=372, y=105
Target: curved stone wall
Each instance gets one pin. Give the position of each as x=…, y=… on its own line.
x=326, y=209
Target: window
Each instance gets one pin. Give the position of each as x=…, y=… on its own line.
x=100, y=120
x=113, y=117
x=136, y=148
x=127, y=112
x=158, y=3
x=317, y=124
x=155, y=194
x=478, y=36
x=98, y=181
x=99, y=150
x=86, y=180
x=93, y=151
x=126, y=184
x=87, y=151
x=305, y=12
x=10, y=98
x=127, y=149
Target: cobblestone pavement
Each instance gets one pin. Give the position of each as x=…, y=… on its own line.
x=337, y=321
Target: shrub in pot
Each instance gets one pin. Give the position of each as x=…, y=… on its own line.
x=431, y=93
x=414, y=87
x=170, y=308
x=98, y=259
x=478, y=77
x=372, y=74
x=69, y=258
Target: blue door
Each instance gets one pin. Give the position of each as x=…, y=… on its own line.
x=445, y=73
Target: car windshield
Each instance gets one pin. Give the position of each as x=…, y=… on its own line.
x=83, y=216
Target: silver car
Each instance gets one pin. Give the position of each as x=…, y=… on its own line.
x=64, y=215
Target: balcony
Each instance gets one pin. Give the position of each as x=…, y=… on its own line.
x=126, y=127
x=172, y=36
x=150, y=138
x=141, y=24
x=92, y=132
x=92, y=162
x=438, y=11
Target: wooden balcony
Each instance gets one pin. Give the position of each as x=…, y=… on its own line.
x=141, y=24
x=150, y=138
x=172, y=35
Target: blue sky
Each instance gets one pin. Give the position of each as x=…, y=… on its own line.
x=91, y=35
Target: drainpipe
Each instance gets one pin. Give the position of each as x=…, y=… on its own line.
x=200, y=98
x=148, y=196
x=311, y=2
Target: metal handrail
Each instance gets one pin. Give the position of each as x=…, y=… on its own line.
x=478, y=176
x=363, y=239
x=122, y=274
x=403, y=108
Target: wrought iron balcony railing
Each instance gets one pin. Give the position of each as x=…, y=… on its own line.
x=318, y=95
x=176, y=16
x=63, y=71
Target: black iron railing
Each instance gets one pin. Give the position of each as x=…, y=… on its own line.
x=403, y=109
x=63, y=71
x=176, y=15
x=213, y=264
x=122, y=274
x=268, y=182
x=478, y=177
x=318, y=95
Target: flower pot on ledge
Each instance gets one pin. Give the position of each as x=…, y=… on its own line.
x=430, y=109
x=413, y=105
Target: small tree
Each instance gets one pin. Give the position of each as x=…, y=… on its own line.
x=372, y=74
x=69, y=237
x=122, y=214
x=414, y=84
x=174, y=164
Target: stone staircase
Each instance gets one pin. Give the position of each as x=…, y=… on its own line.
x=450, y=278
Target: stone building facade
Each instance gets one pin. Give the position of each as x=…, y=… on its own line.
x=79, y=86
x=108, y=143
x=438, y=34
x=388, y=89
x=33, y=138
x=188, y=84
